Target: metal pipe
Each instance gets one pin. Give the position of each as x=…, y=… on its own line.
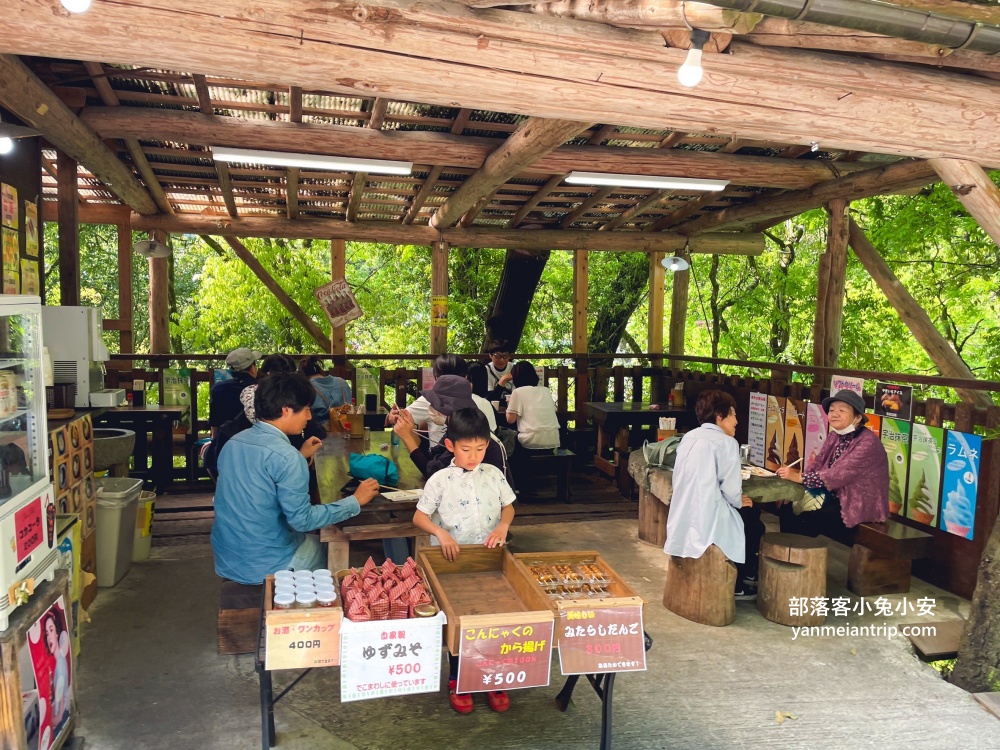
x=878, y=18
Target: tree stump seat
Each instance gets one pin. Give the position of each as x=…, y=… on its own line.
x=652, y=518
x=882, y=555
x=238, y=620
x=701, y=589
x=792, y=573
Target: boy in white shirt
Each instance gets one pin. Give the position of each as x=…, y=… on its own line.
x=469, y=502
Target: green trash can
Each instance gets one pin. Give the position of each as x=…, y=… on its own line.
x=143, y=526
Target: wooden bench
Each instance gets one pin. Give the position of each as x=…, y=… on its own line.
x=881, y=557
x=559, y=462
x=338, y=539
x=238, y=621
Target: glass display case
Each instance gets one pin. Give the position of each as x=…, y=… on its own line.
x=27, y=509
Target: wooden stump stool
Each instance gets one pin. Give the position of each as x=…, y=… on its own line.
x=791, y=567
x=701, y=589
x=652, y=518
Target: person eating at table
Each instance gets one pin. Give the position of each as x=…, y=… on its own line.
x=847, y=483
x=708, y=505
x=445, y=364
x=499, y=380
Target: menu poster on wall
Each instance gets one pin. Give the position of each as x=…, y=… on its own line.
x=794, y=438
x=896, y=441
x=817, y=428
x=774, y=437
x=757, y=427
x=924, y=486
x=8, y=201
x=31, y=228
x=844, y=383
x=894, y=401
x=29, y=277
x=961, y=483
x=338, y=302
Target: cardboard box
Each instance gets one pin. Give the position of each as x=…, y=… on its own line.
x=75, y=436
x=87, y=430
x=88, y=458
x=76, y=498
x=64, y=504
x=76, y=468
x=61, y=478
x=59, y=443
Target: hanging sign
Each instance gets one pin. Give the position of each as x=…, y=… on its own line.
x=338, y=302
x=894, y=401
x=845, y=383
x=896, y=441
x=606, y=639
x=505, y=651
x=961, y=483
x=924, y=493
x=757, y=427
x=439, y=311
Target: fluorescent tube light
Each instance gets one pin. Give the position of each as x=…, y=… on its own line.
x=641, y=181
x=310, y=161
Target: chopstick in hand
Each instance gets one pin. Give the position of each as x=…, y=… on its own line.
x=793, y=463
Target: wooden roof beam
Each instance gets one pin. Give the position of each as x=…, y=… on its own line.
x=421, y=197
x=221, y=168
x=975, y=190
x=33, y=102
x=596, y=197
x=400, y=234
x=528, y=143
x=541, y=194
x=292, y=192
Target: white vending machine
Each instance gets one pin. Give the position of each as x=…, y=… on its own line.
x=27, y=507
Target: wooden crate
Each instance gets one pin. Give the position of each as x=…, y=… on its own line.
x=482, y=581
x=21, y=690
x=285, y=629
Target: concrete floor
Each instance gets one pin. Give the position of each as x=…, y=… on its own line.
x=149, y=677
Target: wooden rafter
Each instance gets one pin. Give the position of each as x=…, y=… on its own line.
x=421, y=197
x=221, y=169
x=541, y=194
x=975, y=190
x=596, y=197
x=292, y=193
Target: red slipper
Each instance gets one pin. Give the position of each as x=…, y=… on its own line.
x=461, y=702
x=498, y=700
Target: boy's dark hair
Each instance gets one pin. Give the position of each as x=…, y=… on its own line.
x=274, y=363
x=311, y=366
x=712, y=404
x=498, y=345
x=523, y=373
x=291, y=389
x=450, y=364
x=468, y=424
x=477, y=376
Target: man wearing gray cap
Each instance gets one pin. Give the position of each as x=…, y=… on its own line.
x=224, y=398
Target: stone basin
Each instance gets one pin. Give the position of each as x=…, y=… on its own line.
x=112, y=446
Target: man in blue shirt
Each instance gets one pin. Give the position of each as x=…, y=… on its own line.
x=262, y=508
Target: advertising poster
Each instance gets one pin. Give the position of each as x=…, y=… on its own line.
x=774, y=439
x=844, y=383
x=961, y=483
x=795, y=423
x=31, y=229
x=8, y=201
x=367, y=381
x=896, y=441
x=47, y=677
x=11, y=251
x=757, y=428
x=439, y=311
x=923, y=495
x=874, y=423
x=29, y=277
x=338, y=302
x=177, y=392
x=817, y=428
x=894, y=401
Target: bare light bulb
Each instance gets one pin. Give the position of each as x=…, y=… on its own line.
x=690, y=73
x=75, y=6
x=6, y=145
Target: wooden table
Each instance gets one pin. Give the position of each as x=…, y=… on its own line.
x=154, y=420
x=614, y=422
x=379, y=519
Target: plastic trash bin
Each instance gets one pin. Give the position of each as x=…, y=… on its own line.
x=143, y=526
x=116, y=508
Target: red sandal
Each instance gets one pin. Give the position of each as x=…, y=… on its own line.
x=461, y=702
x=498, y=700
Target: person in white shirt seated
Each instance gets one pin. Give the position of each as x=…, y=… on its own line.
x=533, y=410
x=498, y=370
x=708, y=506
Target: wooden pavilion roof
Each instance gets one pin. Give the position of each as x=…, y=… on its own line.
x=793, y=114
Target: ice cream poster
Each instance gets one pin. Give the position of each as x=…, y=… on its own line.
x=874, y=423
x=757, y=428
x=894, y=401
x=31, y=228
x=817, y=428
x=46, y=668
x=896, y=441
x=923, y=494
x=774, y=438
x=794, y=438
x=961, y=483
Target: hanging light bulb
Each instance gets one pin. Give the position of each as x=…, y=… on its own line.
x=675, y=263
x=75, y=6
x=690, y=73
x=6, y=145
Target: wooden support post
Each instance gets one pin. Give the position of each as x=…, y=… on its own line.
x=581, y=294
x=678, y=314
x=974, y=188
x=915, y=317
x=159, y=302
x=69, y=230
x=830, y=288
x=314, y=331
x=338, y=270
x=126, y=342
x=654, y=344
x=819, y=322
x=439, y=289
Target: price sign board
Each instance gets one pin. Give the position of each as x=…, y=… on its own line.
x=390, y=657
x=505, y=651
x=597, y=640
x=29, y=529
x=302, y=639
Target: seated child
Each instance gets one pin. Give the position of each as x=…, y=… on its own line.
x=469, y=502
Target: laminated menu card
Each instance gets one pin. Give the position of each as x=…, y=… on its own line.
x=896, y=441
x=961, y=483
x=924, y=486
x=774, y=438
x=817, y=428
x=794, y=437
